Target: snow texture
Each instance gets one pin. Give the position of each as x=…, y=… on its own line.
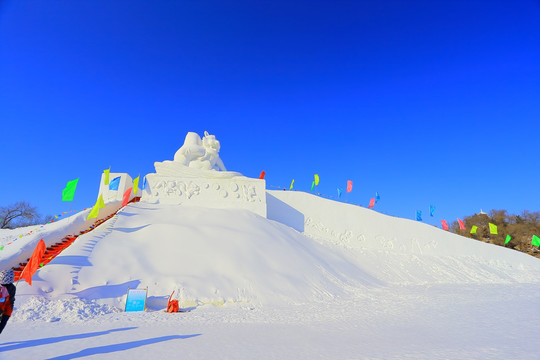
x=315, y=279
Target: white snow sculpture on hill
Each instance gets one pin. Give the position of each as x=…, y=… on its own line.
x=197, y=176
x=200, y=154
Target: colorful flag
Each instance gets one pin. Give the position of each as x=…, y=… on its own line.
x=444, y=225
x=127, y=193
x=349, y=186
x=371, y=203
x=144, y=183
x=33, y=264
x=431, y=210
x=419, y=215
x=461, y=224
x=316, y=179
x=292, y=183
x=339, y=192
x=69, y=190
x=94, y=213
x=262, y=175
x=100, y=203
x=535, y=241
x=107, y=176
x=312, y=185
x=508, y=238
x=473, y=229
x=493, y=228
x=113, y=185
x=135, y=184
x=377, y=197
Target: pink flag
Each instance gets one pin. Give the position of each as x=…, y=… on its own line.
x=127, y=193
x=371, y=203
x=444, y=224
x=349, y=186
x=461, y=224
x=262, y=175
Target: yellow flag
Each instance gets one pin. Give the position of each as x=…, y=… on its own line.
x=100, y=203
x=493, y=228
x=292, y=183
x=107, y=175
x=316, y=179
x=135, y=184
x=94, y=213
x=473, y=229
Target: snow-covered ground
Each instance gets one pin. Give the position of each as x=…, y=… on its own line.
x=317, y=279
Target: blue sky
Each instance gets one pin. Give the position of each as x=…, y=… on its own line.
x=425, y=102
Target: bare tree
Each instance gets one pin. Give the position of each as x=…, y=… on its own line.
x=18, y=214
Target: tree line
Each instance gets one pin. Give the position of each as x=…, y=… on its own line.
x=520, y=227
x=21, y=214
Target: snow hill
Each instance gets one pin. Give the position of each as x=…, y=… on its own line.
x=315, y=279
x=309, y=249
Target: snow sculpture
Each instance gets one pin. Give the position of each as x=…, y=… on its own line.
x=200, y=154
x=197, y=176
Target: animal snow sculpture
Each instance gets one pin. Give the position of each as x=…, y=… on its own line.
x=200, y=154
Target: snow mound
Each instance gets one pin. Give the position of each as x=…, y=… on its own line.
x=39, y=308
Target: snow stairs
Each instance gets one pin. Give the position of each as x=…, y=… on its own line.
x=56, y=249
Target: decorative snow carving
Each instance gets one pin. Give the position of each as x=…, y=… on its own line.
x=197, y=176
x=200, y=154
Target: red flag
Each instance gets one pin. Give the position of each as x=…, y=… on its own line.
x=127, y=193
x=371, y=203
x=444, y=224
x=349, y=186
x=262, y=175
x=461, y=224
x=33, y=264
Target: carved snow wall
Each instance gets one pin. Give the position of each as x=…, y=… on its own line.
x=232, y=193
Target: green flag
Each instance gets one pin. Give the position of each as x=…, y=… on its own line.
x=492, y=229
x=312, y=185
x=135, y=184
x=94, y=213
x=535, y=241
x=473, y=229
x=508, y=238
x=100, y=203
x=292, y=183
x=69, y=190
x=106, y=172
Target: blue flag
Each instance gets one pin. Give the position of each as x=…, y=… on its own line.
x=377, y=197
x=339, y=191
x=113, y=185
x=431, y=210
x=144, y=183
x=419, y=215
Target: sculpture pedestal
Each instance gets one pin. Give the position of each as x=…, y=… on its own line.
x=238, y=192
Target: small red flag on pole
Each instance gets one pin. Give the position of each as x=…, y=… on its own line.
x=349, y=186
x=262, y=175
x=371, y=203
x=127, y=193
x=33, y=264
x=444, y=224
x=461, y=224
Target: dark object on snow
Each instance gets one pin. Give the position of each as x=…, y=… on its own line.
x=6, y=307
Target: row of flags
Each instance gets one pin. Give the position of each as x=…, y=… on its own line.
x=316, y=180
x=68, y=192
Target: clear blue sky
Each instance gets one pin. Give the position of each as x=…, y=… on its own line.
x=425, y=102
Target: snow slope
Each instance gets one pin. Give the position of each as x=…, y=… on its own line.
x=317, y=278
